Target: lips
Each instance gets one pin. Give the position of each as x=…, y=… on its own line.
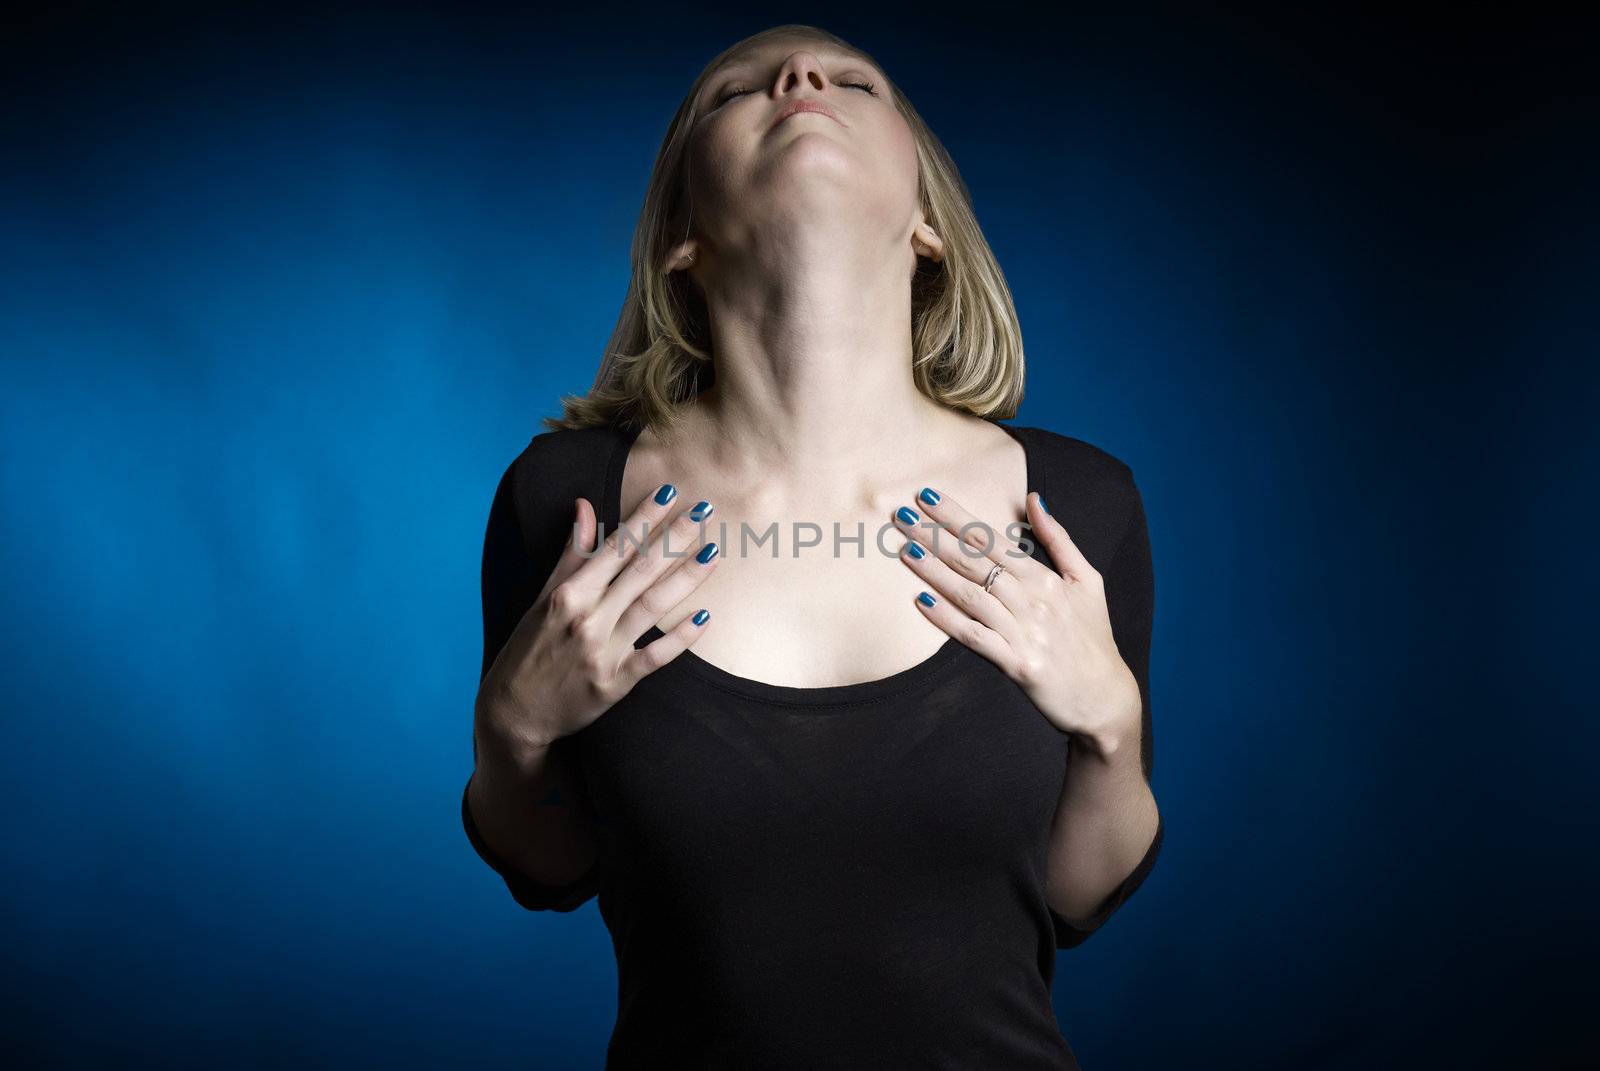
x=806, y=105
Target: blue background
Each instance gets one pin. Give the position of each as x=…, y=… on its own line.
x=285, y=291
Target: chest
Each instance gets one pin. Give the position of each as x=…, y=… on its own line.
x=952, y=778
x=813, y=593
x=823, y=734
x=820, y=619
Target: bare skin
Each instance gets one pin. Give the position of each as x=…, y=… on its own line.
x=827, y=616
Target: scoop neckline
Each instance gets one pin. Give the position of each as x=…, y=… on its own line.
x=830, y=695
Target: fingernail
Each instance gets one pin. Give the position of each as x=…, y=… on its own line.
x=915, y=550
x=701, y=511
x=666, y=494
x=925, y=599
x=702, y=617
x=930, y=496
x=907, y=514
x=707, y=552
x=1042, y=505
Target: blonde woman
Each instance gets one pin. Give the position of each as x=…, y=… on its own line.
x=785, y=658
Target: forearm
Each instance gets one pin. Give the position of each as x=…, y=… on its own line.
x=1105, y=822
x=522, y=800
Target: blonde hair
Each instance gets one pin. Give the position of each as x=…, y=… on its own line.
x=966, y=342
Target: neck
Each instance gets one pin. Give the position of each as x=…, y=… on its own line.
x=813, y=358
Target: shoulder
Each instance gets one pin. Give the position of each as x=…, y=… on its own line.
x=1089, y=489
x=1079, y=467
x=555, y=467
x=551, y=452
x=1078, y=458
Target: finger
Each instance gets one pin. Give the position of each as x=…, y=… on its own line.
x=658, y=652
x=676, y=543
x=1063, y=551
x=600, y=567
x=669, y=590
x=975, y=634
x=969, y=546
x=956, y=589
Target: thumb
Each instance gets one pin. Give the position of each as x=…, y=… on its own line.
x=580, y=541
x=1063, y=550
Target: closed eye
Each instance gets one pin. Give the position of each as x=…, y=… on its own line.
x=739, y=91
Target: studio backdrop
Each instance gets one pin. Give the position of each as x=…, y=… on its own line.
x=286, y=289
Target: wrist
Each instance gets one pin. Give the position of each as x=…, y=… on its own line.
x=1105, y=748
x=506, y=737
x=1112, y=742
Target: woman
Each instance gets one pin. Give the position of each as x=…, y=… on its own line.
x=847, y=829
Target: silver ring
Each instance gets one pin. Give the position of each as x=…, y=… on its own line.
x=994, y=574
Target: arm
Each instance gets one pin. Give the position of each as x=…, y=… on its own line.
x=524, y=809
x=1108, y=829
x=1106, y=837
x=521, y=816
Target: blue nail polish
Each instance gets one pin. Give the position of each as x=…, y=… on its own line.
x=925, y=599
x=930, y=496
x=907, y=514
x=707, y=552
x=702, y=617
x=701, y=512
x=666, y=494
x=915, y=550
x=1042, y=505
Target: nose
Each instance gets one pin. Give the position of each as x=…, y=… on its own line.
x=799, y=69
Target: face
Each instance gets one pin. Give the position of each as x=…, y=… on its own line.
x=853, y=163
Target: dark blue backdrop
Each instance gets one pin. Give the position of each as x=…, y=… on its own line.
x=283, y=294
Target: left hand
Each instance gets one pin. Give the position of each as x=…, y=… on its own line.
x=1049, y=632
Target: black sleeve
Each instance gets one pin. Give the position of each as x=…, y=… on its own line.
x=1130, y=599
x=512, y=578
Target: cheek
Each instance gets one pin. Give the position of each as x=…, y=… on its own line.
x=715, y=164
x=900, y=155
x=714, y=175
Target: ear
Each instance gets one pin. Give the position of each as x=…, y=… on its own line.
x=681, y=257
x=927, y=243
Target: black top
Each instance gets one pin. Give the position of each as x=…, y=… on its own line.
x=846, y=876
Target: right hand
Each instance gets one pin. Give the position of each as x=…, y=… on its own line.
x=571, y=657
